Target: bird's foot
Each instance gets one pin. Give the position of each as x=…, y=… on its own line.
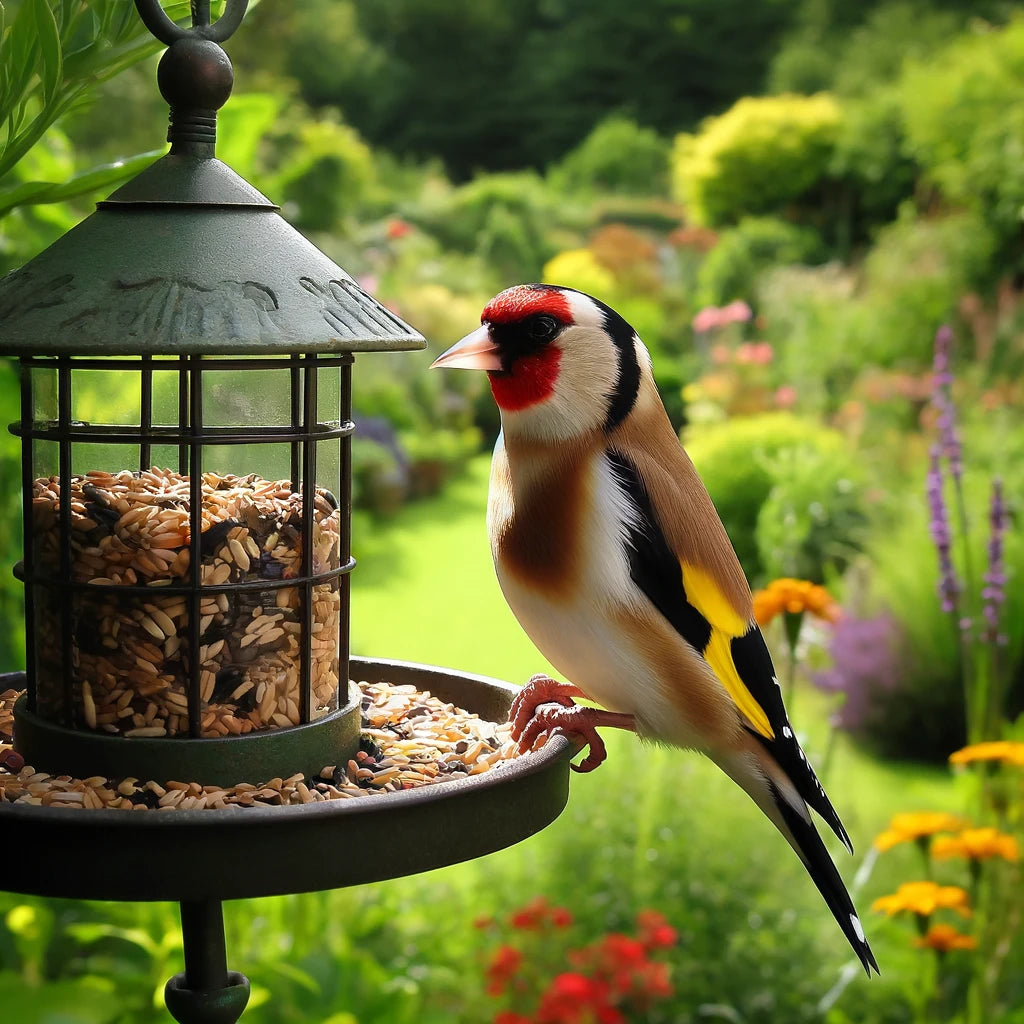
x=574, y=720
x=540, y=689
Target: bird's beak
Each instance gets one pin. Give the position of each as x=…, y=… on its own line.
x=476, y=351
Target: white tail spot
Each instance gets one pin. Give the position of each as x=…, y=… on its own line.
x=857, y=927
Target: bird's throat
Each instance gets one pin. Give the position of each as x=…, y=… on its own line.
x=530, y=381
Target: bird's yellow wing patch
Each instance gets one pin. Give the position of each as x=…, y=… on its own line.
x=726, y=623
x=706, y=596
x=719, y=656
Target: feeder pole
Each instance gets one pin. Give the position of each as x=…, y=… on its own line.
x=206, y=992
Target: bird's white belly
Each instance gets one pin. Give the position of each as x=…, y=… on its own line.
x=604, y=663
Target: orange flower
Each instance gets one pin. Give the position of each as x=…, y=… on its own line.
x=977, y=844
x=994, y=750
x=944, y=937
x=923, y=899
x=905, y=828
x=795, y=596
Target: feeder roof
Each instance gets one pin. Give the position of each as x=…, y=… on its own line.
x=188, y=257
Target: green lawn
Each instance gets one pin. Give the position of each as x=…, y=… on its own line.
x=424, y=588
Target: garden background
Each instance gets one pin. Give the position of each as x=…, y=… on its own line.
x=811, y=212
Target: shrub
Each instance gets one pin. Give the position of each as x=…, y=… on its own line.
x=731, y=268
x=331, y=170
x=812, y=522
x=760, y=154
x=912, y=280
x=923, y=716
x=870, y=157
x=580, y=269
x=459, y=218
x=380, y=482
x=965, y=124
x=806, y=312
x=617, y=156
x=737, y=460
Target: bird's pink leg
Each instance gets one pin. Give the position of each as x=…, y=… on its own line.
x=545, y=707
x=540, y=689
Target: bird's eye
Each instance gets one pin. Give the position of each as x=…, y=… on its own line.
x=542, y=328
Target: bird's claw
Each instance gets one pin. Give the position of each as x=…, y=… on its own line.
x=572, y=721
x=539, y=690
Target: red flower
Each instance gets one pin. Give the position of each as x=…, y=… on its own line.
x=508, y=1017
x=398, y=228
x=531, y=916
x=621, y=951
x=560, y=917
x=576, y=999
x=655, y=931
x=504, y=964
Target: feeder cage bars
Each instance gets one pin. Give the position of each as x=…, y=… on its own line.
x=188, y=536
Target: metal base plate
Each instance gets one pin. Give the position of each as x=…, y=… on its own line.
x=236, y=853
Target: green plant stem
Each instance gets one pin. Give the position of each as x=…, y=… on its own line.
x=793, y=622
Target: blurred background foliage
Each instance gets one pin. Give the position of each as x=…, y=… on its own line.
x=786, y=199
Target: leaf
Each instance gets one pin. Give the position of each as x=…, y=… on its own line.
x=83, y=1001
x=301, y=978
x=105, y=176
x=48, y=36
x=88, y=932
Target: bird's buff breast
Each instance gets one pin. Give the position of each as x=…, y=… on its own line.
x=574, y=598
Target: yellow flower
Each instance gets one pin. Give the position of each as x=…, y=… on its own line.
x=796, y=596
x=924, y=898
x=944, y=937
x=993, y=750
x=977, y=844
x=905, y=828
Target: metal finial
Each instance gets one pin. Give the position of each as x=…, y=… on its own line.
x=156, y=20
x=195, y=75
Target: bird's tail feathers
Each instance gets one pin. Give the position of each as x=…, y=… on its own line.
x=769, y=787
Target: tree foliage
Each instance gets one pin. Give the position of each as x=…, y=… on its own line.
x=758, y=155
x=511, y=83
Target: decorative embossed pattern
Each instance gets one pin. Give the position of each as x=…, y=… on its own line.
x=351, y=311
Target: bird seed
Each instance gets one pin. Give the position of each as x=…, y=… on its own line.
x=130, y=662
x=414, y=739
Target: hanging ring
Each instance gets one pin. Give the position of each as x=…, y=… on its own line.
x=155, y=19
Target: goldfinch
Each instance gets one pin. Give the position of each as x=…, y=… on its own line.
x=613, y=559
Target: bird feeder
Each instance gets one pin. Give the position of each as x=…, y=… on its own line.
x=187, y=548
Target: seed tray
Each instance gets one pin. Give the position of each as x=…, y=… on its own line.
x=193, y=854
x=131, y=547
x=411, y=738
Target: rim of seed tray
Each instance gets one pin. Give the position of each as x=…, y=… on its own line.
x=267, y=851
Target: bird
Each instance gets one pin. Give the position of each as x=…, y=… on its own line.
x=611, y=555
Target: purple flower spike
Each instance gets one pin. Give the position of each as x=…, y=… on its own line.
x=942, y=382
x=994, y=592
x=865, y=666
x=942, y=538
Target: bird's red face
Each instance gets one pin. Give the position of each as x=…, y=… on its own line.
x=561, y=364
x=514, y=345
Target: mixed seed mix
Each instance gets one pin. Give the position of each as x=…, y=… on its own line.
x=410, y=738
x=130, y=654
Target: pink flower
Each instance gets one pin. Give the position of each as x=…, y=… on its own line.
x=707, y=319
x=785, y=397
x=737, y=312
x=757, y=353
